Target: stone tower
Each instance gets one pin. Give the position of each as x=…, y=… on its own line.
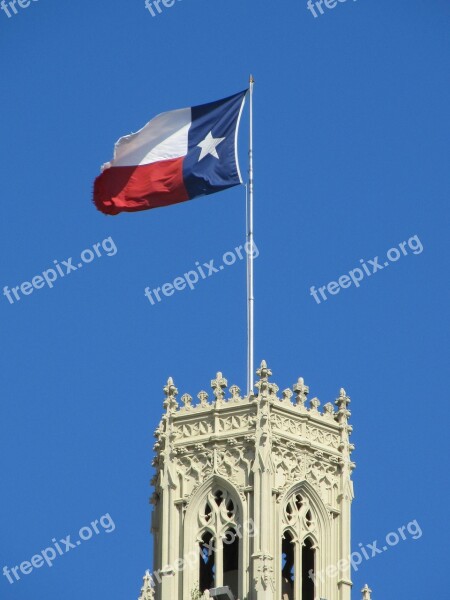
x=252, y=492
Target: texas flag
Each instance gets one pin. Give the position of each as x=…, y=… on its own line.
x=177, y=156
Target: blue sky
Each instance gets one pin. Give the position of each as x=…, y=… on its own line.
x=351, y=159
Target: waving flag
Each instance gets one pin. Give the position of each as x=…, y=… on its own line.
x=177, y=156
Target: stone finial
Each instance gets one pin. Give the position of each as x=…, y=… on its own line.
x=186, y=399
x=235, y=392
x=147, y=591
x=170, y=391
x=343, y=400
x=264, y=372
x=273, y=389
x=203, y=397
x=218, y=385
x=328, y=411
x=343, y=396
x=301, y=392
x=314, y=404
x=366, y=593
x=287, y=395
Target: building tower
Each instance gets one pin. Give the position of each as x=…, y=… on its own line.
x=252, y=492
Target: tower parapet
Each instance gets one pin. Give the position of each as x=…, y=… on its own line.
x=272, y=470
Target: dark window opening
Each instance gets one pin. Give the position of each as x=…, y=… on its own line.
x=287, y=566
x=207, y=564
x=230, y=509
x=231, y=561
x=308, y=566
x=208, y=511
x=218, y=497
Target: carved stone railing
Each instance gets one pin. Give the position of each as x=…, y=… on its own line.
x=221, y=436
x=234, y=414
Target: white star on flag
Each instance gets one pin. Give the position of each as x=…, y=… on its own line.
x=209, y=146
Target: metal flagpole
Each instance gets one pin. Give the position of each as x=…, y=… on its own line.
x=250, y=294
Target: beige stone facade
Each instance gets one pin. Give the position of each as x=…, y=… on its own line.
x=252, y=492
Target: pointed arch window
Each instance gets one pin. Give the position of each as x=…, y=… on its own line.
x=298, y=561
x=287, y=566
x=219, y=542
x=308, y=566
x=207, y=562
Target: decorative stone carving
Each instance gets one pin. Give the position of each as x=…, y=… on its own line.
x=342, y=403
x=273, y=390
x=301, y=392
x=253, y=450
x=314, y=404
x=218, y=514
x=299, y=515
x=320, y=436
x=195, y=428
x=264, y=372
x=218, y=386
x=328, y=411
x=324, y=479
x=147, y=590
x=186, y=399
x=170, y=391
x=233, y=422
x=193, y=469
x=284, y=424
x=289, y=467
x=235, y=465
x=203, y=397
x=235, y=392
x=286, y=396
x=264, y=580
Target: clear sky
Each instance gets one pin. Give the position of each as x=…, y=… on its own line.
x=351, y=160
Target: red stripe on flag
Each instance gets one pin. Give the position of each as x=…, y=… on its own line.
x=129, y=189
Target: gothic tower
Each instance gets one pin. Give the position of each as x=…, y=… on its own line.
x=252, y=492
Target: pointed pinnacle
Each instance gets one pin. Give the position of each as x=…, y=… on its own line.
x=264, y=372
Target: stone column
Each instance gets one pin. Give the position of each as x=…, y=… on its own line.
x=346, y=496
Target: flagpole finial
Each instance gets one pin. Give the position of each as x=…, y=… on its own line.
x=252, y=79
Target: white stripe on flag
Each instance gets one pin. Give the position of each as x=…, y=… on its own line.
x=163, y=138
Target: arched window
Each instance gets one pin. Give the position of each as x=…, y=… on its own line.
x=231, y=561
x=308, y=566
x=219, y=542
x=287, y=566
x=207, y=566
x=298, y=549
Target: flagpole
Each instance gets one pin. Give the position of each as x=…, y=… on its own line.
x=250, y=246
